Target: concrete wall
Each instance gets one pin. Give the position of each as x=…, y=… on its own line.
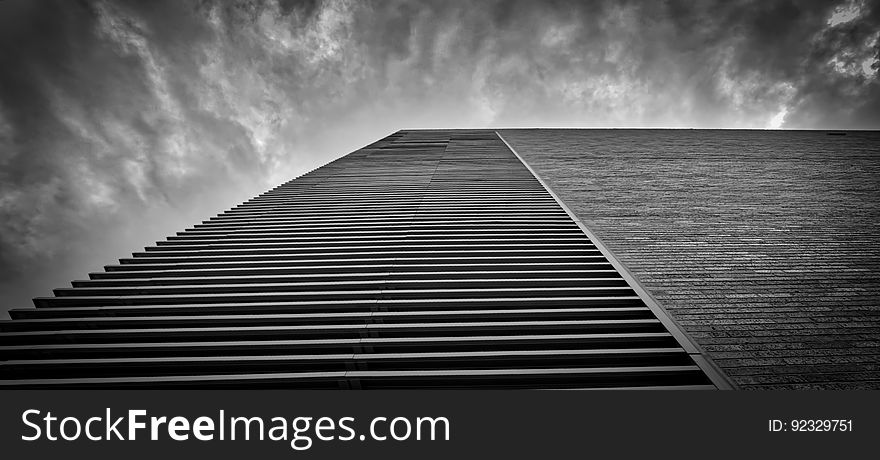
x=764, y=246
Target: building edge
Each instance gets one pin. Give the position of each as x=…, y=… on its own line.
x=717, y=375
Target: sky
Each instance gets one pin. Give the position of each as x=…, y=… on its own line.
x=124, y=121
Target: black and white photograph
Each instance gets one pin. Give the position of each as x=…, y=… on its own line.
x=241, y=196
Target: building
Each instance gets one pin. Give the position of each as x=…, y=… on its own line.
x=517, y=258
x=426, y=259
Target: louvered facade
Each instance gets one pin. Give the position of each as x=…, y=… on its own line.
x=426, y=259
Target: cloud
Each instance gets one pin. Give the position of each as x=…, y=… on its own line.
x=121, y=122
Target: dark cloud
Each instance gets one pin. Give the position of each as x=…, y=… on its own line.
x=124, y=121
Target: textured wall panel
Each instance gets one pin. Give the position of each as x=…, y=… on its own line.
x=763, y=245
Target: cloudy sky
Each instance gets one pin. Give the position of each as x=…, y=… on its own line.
x=121, y=122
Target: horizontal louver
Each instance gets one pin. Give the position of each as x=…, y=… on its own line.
x=427, y=259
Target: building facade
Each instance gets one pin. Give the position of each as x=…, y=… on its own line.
x=428, y=259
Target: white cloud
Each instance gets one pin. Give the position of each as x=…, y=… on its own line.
x=845, y=13
x=778, y=119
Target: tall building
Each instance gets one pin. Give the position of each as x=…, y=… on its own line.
x=426, y=259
